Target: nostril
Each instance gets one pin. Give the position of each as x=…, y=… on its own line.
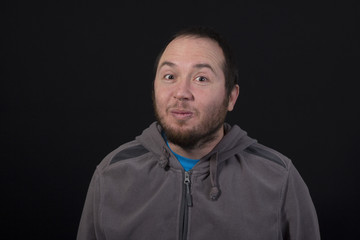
x=183, y=94
x=181, y=98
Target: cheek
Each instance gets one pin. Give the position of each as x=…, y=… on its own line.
x=160, y=99
x=211, y=107
x=210, y=100
x=162, y=94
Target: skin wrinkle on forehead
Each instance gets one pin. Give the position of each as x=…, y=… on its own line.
x=196, y=66
x=216, y=55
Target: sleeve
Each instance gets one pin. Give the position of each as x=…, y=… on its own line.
x=89, y=222
x=299, y=219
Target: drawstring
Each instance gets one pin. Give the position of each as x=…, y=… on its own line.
x=215, y=191
x=164, y=160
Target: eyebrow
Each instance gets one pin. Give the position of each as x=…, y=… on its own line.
x=198, y=66
x=204, y=65
x=166, y=63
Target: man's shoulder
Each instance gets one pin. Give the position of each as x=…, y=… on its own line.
x=268, y=155
x=126, y=151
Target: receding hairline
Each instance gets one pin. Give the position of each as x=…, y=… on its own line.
x=199, y=65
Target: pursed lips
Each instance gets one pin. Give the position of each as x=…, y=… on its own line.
x=181, y=113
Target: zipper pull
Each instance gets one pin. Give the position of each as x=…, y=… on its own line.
x=187, y=182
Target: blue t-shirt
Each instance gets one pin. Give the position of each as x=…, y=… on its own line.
x=186, y=163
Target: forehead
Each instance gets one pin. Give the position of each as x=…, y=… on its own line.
x=192, y=49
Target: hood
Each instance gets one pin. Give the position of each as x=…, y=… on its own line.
x=152, y=139
x=234, y=141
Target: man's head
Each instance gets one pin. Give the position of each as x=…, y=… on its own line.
x=229, y=65
x=194, y=87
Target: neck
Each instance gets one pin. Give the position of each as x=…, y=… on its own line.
x=201, y=148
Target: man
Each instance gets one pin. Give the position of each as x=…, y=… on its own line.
x=190, y=175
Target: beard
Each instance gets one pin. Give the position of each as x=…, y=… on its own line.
x=198, y=135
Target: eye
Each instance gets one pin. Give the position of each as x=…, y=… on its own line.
x=169, y=76
x=201, y=79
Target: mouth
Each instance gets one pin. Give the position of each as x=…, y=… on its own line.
x=181, y=114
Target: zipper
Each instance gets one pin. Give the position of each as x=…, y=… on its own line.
x=187, y=183
x=186, y=203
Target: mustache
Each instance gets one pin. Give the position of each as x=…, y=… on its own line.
x=182, y=106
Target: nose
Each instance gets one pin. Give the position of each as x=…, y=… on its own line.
x=183, y=90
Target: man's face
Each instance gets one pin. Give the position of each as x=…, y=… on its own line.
x=189, y=91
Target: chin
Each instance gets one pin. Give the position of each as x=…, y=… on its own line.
x=181, y=125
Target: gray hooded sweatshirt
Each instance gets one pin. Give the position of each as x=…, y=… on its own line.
x=240, y=190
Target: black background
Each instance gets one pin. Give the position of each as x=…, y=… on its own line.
x=76, y=83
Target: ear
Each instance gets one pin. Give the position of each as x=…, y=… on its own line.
x=233, y=97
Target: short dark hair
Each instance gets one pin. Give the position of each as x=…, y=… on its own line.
x=229, y=66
